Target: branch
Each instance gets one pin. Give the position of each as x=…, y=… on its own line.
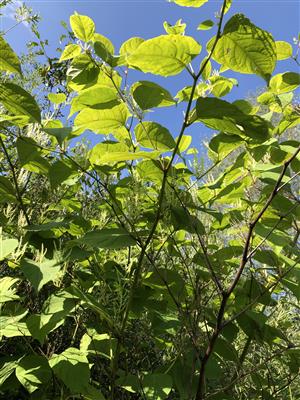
x=219, y=325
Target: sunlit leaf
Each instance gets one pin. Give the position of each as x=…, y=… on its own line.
x=246, y=48
x=8, y=59
x=164, y=55
x=83, y=27
x=19, y=102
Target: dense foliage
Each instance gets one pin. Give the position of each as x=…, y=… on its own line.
x=128, y=270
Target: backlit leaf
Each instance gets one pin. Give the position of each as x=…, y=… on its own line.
x=246, y=48
x=164, y=55
x=283, y=50
x=285, y=82
x=19, y=102
x=189, y=3
x=83, y=27
x=149, y=95
x=103, y=121
x=154, y=136
x=33, y=371
x=8, y=59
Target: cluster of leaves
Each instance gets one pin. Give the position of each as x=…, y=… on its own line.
x=126, y=274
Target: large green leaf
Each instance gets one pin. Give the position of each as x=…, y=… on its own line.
x=157, y=386
x=19, y=102
x=70, y=51
x=189, y=3
x=83, y=27
x=33, y=371
x=72, y=368
x=246, y=48
x=110, y=152
x=7, y=191
x=8, y=59
x=149, y=94
x=7, y=246
x=154, y=136
x=130, y=46
x=97, y=94
x=82, y=73
x=30, y=156
x=220, y=86
x=7, y=368
x=223, y=144
x=164, y=55
x=283, y=50
x=103, y=121
x=40, y=273
x=113, y=238
x=103, y=47
x=285, y=82
x=8, y=289
x=54, y=311
x=226, y=117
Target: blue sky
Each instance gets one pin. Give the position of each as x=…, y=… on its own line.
x=122, y=19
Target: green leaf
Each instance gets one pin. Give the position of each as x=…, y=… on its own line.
x=97, y=94
x=32, y=372
x=149, y=94
x=283, y=50
x=14, y=330
x=70, y=51
x=82, y=72
x=103, y=121
x=189, y=3
x=72, y=368
x=61, y=134
x=8, y=289
x=177, y=29
x=157, y=386
x=130, y=46
x=98, y=344
x=245, y=48
x=154, y=136
x=7, y=368
x=223, y=144
x=164, y=55
x=7, y=191
x=7, y=246
x=221, y=85
x=107, y=238
x=83, y=27
x=29, y=156
x=103, y=47
x=185, y=142
x=181, y=219
x=54, y=311
x=111, y=152
x=226, y=117
x=285, y=82
x=107, y=44
x=205, y=25
x=207, y=68
x=9, y=61
x=19, y=102
x=57, y=98
x=62, y=172
x=40, y=273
